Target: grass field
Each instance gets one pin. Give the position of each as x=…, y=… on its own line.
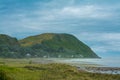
x=25, y=69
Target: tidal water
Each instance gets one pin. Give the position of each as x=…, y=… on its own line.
x=107, y=65
x=106, y=62
x=104, y=65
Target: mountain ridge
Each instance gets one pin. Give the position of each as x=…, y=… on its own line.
x=49, y=45
x=56, y=42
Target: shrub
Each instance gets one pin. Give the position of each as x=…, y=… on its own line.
x=4, y=76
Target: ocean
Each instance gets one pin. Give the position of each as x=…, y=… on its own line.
x=105, y=62
x=108, y=64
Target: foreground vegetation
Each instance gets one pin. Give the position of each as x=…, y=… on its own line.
x=26, y=70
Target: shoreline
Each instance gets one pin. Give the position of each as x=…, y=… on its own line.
x=102, y=70
x=79, y=64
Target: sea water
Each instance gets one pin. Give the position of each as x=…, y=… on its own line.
x=104, y=62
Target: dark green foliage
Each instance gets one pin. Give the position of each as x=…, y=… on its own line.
x=51, y=72
x=9, y=46
x=45, y=45
x=57, y=45
x=4, y=76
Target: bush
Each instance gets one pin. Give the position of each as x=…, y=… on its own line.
x=4, y=76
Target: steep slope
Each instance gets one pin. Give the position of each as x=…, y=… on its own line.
x=57, y=45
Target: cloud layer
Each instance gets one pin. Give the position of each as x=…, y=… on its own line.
x=94, y=22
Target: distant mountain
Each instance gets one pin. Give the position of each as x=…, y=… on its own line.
x=56, y=45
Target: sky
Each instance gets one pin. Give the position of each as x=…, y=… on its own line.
x=95, y=22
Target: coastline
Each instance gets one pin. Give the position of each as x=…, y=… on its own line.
x=90, y=67
x=102, y=70
x=80, y=64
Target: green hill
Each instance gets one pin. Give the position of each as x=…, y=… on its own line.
x=45, y=45
x=7, y=40
x=9, y=46
x=56, y=45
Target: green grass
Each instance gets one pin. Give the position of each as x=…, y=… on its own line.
x=22, y=69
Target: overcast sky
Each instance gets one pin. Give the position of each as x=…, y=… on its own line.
x=95, y=22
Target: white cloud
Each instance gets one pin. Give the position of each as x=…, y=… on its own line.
x=66, y=16
x=85, y=11
x=41, y=19
x=106, y=48
x=102, y=42
x=101, y=36
x=100, y=49
x=73, y=12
